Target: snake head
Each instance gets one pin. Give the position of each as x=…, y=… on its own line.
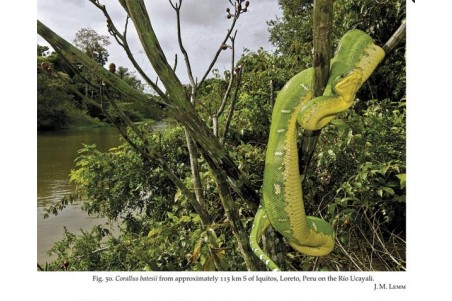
x=346, y=85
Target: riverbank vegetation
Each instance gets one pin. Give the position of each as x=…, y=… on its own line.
x=186, y=198
x=61, y=89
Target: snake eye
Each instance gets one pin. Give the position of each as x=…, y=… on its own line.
x=340, y=77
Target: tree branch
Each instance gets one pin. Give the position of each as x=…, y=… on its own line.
x=232, y=108
x=220, y=48
x=222, y=106
x=323, y=30
x=231, y=79
x=181, y=44
x=396, y=39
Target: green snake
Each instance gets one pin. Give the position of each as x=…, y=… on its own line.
x=282, y=204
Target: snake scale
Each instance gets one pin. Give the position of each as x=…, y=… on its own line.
x=282, y=206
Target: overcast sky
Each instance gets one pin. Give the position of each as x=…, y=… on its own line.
x=204, y=26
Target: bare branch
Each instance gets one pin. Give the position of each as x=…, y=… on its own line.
x=234, y=100
x=220, y=48
x=181, y=45
x=231, y=79
x=175, y=62
x=175, y=6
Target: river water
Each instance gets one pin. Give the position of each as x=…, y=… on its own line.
x=56, y=154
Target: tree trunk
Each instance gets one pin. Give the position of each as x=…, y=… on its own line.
x=322, y=30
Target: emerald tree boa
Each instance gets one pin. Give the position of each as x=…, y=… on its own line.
x=282, y=204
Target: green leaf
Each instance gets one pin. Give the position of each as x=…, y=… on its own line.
x=388, y=190
x=339, y=124
x=185, y=219
x=177, y=195
x=402, y=178
x=331, y=153
x=154, y=232
x=196, y=250
x=331, y=209
x=344, y=201
x=209, y=265
x=383, y=170
x=172, y=216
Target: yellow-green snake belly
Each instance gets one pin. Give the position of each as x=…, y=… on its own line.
x=282, y=199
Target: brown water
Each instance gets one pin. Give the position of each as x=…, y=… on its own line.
x=56, y=154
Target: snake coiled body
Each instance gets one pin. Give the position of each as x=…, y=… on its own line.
x=282, y=199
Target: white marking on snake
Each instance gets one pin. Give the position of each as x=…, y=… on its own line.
x=267, y=261
x=304, y=87
x=314, y=226
x=279, y=153
x=280, y=130
x=285, y=111
x=277, y=188
x=260, y=257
